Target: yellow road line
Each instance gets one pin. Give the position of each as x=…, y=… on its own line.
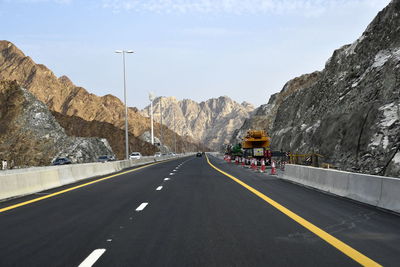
x=346, y=249
x=74, y=188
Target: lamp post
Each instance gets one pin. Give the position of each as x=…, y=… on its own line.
x=175, y=132
x=123, y=52
x=151, y=98
x=161, y=125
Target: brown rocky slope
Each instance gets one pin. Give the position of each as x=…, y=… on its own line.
x=62, y=96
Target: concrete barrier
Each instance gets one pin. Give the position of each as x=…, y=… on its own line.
x=390, y=196
x=379, y=191
x=20, y=182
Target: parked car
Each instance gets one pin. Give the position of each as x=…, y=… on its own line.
x=61, y=161
x=198, y=154
x=105, y=158
x=135, y=155
x=157, y=154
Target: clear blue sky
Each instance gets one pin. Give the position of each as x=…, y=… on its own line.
x=245, y=49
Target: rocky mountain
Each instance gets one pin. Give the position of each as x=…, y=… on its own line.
x=350, y=111
x=210, y=122
x=31, y=136
x=63, y=97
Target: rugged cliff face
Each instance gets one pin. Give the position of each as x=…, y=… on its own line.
x=31, y=136
x=211, y=122
x=63, y=97
x=264, y=116
x=350, y=111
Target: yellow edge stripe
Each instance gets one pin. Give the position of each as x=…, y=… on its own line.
x=346, y=249
x=75, y=187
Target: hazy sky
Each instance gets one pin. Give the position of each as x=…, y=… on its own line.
x=245, y=49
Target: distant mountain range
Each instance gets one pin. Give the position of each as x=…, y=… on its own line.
x=211, y=122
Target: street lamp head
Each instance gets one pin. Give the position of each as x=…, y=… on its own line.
x=118, y=51
x=152, y=96
x=129, y=51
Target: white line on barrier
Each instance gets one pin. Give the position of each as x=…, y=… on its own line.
x=142, y=206
x=159, y=188
x=92, y=258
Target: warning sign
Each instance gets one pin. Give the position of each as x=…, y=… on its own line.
x=258, y=152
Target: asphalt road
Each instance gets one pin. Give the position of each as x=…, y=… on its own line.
x=197, y=217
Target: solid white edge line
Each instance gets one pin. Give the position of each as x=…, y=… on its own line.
x=159, y=188
x=142, y=206
x=92, y=258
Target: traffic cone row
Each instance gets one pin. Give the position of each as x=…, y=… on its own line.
x=253, y=163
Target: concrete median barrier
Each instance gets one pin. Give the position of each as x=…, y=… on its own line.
x=21, y=182
x=379, y=191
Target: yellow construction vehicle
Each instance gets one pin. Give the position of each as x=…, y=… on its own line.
x=256, y=144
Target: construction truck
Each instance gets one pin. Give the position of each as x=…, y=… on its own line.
x=256, y=144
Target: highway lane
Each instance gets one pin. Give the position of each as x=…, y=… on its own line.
x=61, y=231
x=198, y=217
x=371, y=231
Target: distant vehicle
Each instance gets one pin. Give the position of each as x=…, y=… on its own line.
x=61, y=161
x=135, y=155
x=198, y=154
x=105, y=158
x=157, y=154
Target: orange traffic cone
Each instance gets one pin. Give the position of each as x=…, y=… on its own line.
x=255, y=164
x=273, y=169
x=262, y=165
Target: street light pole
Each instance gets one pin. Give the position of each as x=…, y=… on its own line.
x=151, y=97
x=123, y=52
x=161, y=125
x=174, y=131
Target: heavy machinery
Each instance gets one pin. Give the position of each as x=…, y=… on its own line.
x=256, y=144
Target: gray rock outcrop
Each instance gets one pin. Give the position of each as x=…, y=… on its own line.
x=31, y=136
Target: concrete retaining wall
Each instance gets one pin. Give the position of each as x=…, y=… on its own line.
x=31, y=180
x=380, y=191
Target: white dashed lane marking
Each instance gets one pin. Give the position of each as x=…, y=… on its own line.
x=171, y=173
x=159, y=188
x=92, y=258
x=142, y=206
x=167, y=179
